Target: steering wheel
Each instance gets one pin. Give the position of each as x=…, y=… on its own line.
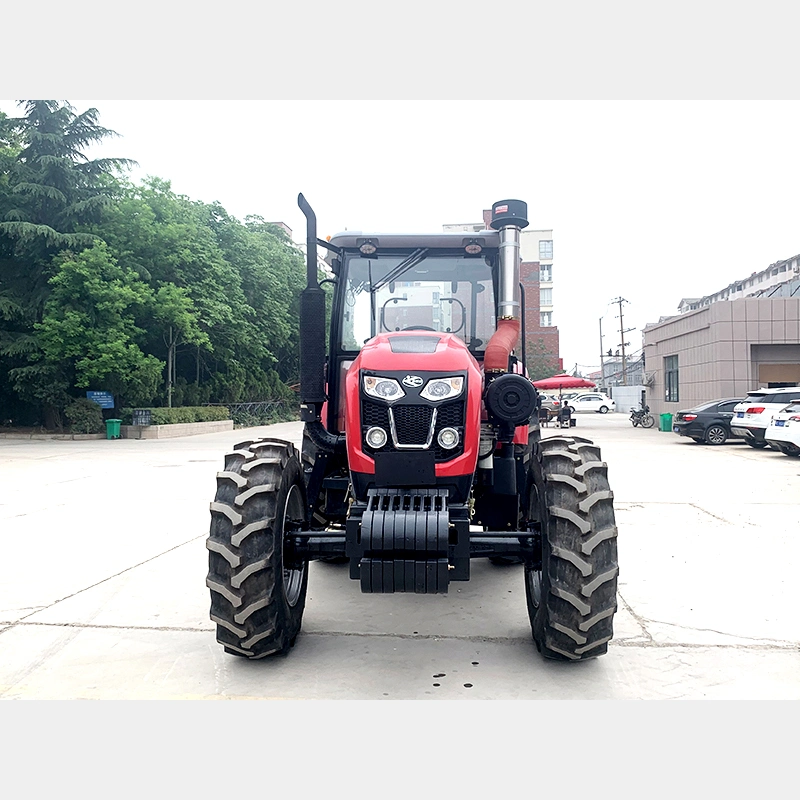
x=419, y=328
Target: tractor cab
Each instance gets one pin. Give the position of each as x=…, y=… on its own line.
x=390, y=283
x=398, y=283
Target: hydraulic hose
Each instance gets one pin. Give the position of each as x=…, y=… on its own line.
x=324, y=439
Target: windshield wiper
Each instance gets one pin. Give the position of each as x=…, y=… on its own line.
x=405, y=265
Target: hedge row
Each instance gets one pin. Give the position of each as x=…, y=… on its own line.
x=173, y=416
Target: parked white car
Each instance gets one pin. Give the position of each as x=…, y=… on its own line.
x=591, y=401
x=751, y=417
x=783, y=431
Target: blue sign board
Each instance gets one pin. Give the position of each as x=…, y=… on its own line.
x=103, y=399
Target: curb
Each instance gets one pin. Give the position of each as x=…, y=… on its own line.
x=134, y=432
x=60, y=436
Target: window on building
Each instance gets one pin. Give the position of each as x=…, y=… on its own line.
x=545, y=319
x=545, y=297
x=545, y=249
x=545, y=274
x=671, y=379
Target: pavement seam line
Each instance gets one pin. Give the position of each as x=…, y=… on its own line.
x=98, y=583
x=639, y=620
x=761, y=645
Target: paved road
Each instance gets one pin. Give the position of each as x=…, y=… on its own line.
x=102, y=591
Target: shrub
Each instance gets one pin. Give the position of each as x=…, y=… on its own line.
x=173, y=416
x=84, y=416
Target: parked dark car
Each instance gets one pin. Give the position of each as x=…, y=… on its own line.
x=708, y=423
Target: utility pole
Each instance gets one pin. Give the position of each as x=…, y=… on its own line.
x=602, y=367
x=622, y=332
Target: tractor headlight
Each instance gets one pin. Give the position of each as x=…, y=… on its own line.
x=448, y=438
x=376, y=438
x=443, y=388
x=383, y=388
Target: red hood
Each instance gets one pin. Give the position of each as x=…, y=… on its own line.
x=450, y=354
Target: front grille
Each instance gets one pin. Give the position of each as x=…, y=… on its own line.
x=374, y=414
x=412, y=423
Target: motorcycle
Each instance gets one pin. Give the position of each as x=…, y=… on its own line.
x=642, y=416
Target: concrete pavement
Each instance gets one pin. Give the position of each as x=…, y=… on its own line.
x=102, y=585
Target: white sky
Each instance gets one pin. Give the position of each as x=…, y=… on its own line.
x=677, y=176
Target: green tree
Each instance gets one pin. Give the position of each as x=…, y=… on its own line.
x=175, y=311
x=540, y=361
x=53, y=190
x=240, y=283
x=49, y=192
x=272, y=271
x=90, y=331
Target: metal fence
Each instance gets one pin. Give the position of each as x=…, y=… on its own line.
x=261, y=412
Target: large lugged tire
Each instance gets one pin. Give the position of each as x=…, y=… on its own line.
x=572, y=599
x=258, y=590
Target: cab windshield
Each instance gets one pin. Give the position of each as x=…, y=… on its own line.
x=445, y=293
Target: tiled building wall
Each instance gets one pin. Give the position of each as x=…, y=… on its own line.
x=721, y=349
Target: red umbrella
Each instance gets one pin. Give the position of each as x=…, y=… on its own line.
x=563, y=382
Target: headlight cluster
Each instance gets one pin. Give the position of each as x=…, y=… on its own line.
x=386, y=389
x=436, y=389
x=442, y=389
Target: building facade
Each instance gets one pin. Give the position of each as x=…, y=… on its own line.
x=615, y=373
x=759, y=284
x=724, y=348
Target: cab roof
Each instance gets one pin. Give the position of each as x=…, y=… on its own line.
x=452, y=239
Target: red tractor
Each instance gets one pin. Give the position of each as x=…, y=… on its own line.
x=421, y=451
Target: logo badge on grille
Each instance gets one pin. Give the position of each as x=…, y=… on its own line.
x=412, y=380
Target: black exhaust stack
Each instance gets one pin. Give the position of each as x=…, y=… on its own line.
x=312, y=327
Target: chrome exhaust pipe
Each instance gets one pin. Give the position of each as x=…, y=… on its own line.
x=509, y=217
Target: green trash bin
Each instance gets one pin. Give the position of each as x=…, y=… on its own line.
x=112, y=428
x=666, y=423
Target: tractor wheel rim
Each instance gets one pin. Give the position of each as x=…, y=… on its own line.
x=534, y=577
x=292, y=520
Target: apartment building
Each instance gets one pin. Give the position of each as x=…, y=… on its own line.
x=759, y=284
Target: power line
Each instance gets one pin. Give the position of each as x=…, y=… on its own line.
x=622, y=332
